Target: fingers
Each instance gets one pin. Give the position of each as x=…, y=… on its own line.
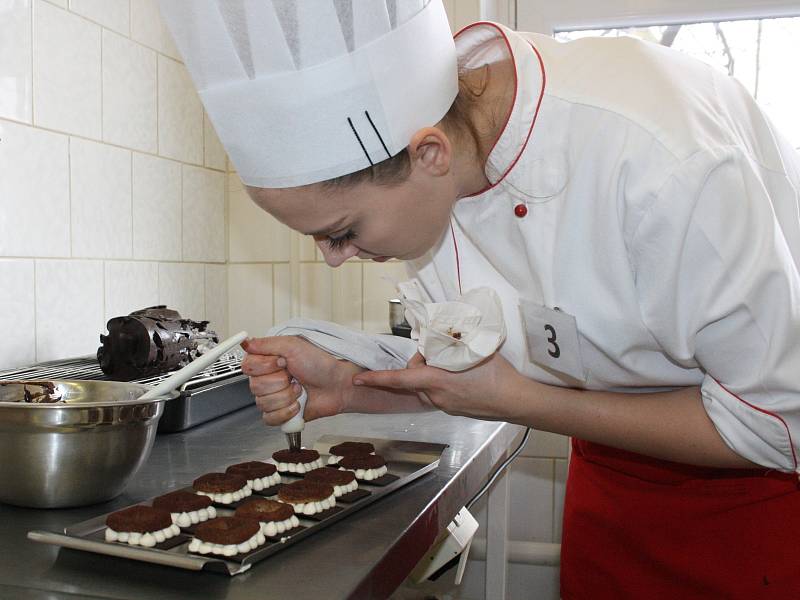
x=278, y=346
x=280, y=416
x=264, y=385
x=259, y=364
x=416, y=361
x=279, y=407
x=412, y=380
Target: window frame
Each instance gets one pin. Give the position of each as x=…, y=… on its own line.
x=549, y=17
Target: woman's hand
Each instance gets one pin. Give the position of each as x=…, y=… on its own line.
x=272, y=362
x=486, y=391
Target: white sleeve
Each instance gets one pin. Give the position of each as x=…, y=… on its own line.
x=719, y=290
x=373, y=351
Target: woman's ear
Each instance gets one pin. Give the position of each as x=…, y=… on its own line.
x=430, y=150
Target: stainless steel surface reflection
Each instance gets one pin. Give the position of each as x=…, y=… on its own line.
x=364, y=556
x=81, y=450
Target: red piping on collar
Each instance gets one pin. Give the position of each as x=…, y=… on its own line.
x=513, y=102
x=458, y=262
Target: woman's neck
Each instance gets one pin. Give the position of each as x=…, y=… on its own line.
x=495, y=84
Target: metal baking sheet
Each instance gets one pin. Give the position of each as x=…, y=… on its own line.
x=406, y=459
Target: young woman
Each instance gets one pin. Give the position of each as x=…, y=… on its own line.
x=637, y=214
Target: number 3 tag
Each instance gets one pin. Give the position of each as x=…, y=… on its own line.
x=552, y=337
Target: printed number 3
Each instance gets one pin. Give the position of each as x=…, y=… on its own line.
x=551, y=339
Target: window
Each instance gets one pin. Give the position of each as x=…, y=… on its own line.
x=760, y=53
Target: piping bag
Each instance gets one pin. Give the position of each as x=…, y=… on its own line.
x=293, y=428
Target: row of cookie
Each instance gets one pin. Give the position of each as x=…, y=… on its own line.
x=358, y=457
x=150, y=525
x=249, y=528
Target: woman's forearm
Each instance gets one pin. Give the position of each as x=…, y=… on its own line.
x=383, y=401
x=667, y=425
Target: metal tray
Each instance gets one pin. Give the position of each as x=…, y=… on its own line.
x=406, y=460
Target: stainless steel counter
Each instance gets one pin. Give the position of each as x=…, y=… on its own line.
x=365, y=556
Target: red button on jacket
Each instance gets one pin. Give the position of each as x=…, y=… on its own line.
x=520, y=210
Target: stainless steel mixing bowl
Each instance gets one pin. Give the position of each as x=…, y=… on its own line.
x=81, y=450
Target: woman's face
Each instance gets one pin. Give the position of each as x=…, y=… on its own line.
x=367, y=220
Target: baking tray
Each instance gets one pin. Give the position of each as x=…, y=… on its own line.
x=406, y=460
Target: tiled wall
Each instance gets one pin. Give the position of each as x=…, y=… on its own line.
x=112, y=181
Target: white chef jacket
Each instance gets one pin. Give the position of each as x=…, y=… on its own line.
x=648, y=196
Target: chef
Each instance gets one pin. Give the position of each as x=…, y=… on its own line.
x=634, y=211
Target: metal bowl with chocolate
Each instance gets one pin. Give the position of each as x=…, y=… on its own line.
x=71, y=442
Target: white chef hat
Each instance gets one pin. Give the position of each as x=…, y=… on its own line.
x=300, y=91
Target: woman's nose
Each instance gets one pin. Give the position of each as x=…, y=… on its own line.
x=336, y=257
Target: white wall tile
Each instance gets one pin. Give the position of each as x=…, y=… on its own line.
x=463, y=13
x=16, y=82
x=182, y=287
x=250, y=298
x=346, y=297
x=315, y=291
x=282, y=292
x=129, y=93
x=61, y=3
x=180, y=114
x=213, y=152
x=531, y=500
x=203, y=214
x=148, y=28
x=17, y=314
x=379, y=287
x=544, y=444
x=255, y=236
x=217, y=299
x=69, y=308
x=559, y=488
x=114, y=14
x=308, y=248
x=129, y=286
x=156, y=208
x=66, y=82
x=100, y=178
x=34, y=189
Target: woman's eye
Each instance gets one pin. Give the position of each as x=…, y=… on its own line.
x=339, y=242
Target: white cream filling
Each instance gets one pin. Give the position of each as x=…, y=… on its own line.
x=200, y=547
x=299, y=467
x=341, y=490
x=229, y=497
x=187, y=519
x=312, y=508
x=148, y=539
x=334, y=459
x=367, y=474
x=273, y=528
x=264, y=483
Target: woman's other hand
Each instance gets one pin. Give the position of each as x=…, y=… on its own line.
x=272, y=362
x=486, y=391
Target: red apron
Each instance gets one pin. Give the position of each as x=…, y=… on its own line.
x=638, y=527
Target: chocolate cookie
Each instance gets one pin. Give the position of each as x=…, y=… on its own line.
x=262, y=509
x=363, y=461
x=252, y=470
x=227, y=530
x=139, y=519
x=331, y=476
x=180, y=501
x=352, y=448
x=306, y=455
x=219, y=483
x=300, y=492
